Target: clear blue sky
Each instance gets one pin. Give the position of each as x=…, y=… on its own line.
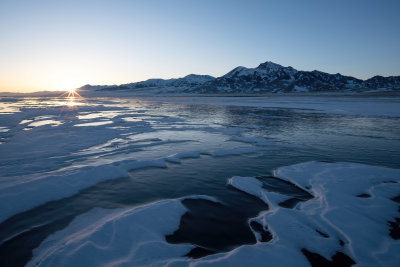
x=53, y=45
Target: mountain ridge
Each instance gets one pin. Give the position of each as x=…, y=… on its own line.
x=268, y=77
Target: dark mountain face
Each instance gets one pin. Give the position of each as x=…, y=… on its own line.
x=271, y=77
x=267, y=77
x=383, y=82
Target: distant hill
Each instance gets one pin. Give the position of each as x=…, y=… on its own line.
x=268, y=77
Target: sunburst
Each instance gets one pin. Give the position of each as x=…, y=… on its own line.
x=71, y=95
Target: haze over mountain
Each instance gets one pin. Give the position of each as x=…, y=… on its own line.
x=268, y=77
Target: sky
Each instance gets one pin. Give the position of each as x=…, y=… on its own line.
x=61, y=45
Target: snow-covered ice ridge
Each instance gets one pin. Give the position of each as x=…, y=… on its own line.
x=348, y=214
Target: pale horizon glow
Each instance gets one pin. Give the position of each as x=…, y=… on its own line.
x=63, y=45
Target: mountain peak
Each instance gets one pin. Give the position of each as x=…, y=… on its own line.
x=195, y=76
x=269, y=65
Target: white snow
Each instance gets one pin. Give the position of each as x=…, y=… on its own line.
x=3, y=129
x=44, y=122
x=97, y=123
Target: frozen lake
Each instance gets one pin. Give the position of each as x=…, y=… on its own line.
x=212, y=181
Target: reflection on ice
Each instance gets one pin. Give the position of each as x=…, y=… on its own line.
x=8, y=108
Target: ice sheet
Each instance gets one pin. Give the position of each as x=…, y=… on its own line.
x=370, y=106
x=335, y=220
x=56, y=158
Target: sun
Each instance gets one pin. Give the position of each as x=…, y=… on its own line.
x=72, y=96
x=71, y=93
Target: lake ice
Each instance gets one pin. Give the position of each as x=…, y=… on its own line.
x=199, y=181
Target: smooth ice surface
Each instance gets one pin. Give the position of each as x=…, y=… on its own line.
x=320, y=103
x=335, y=215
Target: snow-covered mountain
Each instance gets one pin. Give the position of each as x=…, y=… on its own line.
x=170, y=85
x=272, y=77
x=267, y=77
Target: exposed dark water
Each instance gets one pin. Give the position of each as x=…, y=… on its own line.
x=217, y=227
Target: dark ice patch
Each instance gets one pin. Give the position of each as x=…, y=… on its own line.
x=290, y=203
x=395, y=228
x=215, y=227
x=274, y=184
x=297, y=194
x=364, y=195
x=199, y=252
x=259, y=228
x=338, y=260
x=322, y=233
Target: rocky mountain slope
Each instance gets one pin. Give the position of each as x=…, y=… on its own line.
x=266, y=78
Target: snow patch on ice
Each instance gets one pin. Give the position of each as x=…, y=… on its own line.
x=97, y=123
x=44, y=122
x=335, y=213
x=134, y=237
x=3, y=129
